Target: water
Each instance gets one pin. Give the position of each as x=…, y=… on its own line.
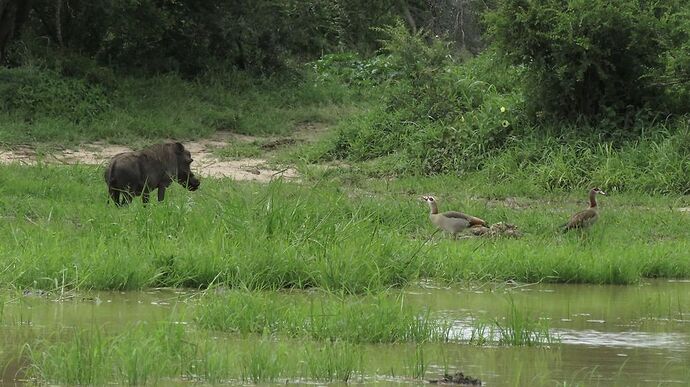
x=608, y=335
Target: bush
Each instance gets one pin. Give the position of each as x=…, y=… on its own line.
x=586, y=59
x=31, y=92
x=351, y=69
x=435, y=116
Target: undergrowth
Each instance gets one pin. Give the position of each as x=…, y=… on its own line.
x=438, y=115
x=334, y=234
x=38, y=104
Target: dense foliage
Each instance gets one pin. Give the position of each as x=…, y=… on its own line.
x=596, y=59
x=438, y=116
x=565, y=93
x=191, y=35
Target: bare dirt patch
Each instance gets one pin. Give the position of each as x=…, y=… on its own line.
x=205, y=162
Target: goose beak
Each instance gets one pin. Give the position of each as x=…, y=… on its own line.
x=602, y=193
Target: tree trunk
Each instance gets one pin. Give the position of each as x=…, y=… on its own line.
x=408, y=16
x=13, y=14
x=8, y=14
x=58, y=22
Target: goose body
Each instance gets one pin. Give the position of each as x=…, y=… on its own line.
x=451, y=222
x=588, y=217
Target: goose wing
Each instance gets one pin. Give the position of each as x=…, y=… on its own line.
x=473, y=220
x=581, y=219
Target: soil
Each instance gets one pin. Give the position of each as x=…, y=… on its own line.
x=206, y=163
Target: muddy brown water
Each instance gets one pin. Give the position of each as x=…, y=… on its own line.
x=608, y=335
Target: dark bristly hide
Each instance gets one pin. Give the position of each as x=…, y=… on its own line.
x=138, y=173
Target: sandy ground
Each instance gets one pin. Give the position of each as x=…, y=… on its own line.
x=205, y=162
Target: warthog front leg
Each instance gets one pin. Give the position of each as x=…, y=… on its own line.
x=145, y=195
x=161, y=193
x=121, y=197
x=114, y=195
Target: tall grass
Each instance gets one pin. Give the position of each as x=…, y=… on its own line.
x=82, y=359
x=654, y=164
x=333, y=361
x=321, y=317
x=417, y=363
x=365, y=237
x=516, y=328
x=142, y=354
x=262, y=363
x=520, y=329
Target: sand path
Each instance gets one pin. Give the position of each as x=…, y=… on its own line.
x=206, y=163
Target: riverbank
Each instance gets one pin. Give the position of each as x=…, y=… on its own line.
x=332, y=233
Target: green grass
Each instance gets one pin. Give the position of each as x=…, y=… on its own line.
x=354, y=236
x=237, y=150
x=375, y=319
x=165, y=352
x=39, y=105
x=517, y=328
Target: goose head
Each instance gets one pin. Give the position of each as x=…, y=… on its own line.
x=431, y=201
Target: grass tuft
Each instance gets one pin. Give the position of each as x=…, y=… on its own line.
x=328, y=318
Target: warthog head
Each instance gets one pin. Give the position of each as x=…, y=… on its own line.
x=184, y=172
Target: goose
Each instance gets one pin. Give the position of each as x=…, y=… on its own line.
x=452, y=222
x=585, y=218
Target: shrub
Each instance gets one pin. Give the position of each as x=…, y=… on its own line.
x=586, y=58
x=436, y=116
x=30, y=92
x=351, y=69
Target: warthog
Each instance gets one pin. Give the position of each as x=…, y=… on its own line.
x=137, y=173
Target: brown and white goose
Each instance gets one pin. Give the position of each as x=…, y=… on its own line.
x=451, y=222
x=585, y=218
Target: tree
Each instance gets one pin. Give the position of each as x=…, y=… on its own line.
x=13, y=14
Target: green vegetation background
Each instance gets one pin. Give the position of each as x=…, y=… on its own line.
x=560, y=95
x=543, y=97
x=506, y=109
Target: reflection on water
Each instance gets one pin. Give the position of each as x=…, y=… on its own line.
x=592, y=338
x=608, y=335
x=465, y=330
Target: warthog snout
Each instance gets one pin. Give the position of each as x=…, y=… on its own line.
x=191, y=183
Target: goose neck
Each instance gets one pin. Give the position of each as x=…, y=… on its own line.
x=592, y=199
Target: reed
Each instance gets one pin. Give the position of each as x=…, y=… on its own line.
x=516, y=328
x=370, y=319
x=165, y=352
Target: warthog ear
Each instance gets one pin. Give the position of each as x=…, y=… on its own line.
x=179, y=148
